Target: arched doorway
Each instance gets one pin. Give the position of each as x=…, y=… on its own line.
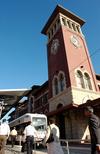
x=60, y=118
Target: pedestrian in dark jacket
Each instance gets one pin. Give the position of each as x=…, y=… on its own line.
x=94, y=128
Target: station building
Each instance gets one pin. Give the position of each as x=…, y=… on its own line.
x=71, y=77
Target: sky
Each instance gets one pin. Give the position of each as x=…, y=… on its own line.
x=23, y=53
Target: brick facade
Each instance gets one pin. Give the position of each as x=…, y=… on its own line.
x=68, y=56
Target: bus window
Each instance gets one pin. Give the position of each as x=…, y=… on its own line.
x=39, y=123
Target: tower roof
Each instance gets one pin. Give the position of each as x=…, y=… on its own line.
x=60, y=9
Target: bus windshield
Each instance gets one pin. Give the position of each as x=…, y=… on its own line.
x=39, y=123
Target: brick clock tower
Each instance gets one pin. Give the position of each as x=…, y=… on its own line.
x=71, y=76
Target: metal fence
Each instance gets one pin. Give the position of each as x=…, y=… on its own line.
x=78, y=145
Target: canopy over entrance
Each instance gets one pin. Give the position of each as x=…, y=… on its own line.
x=10, y=97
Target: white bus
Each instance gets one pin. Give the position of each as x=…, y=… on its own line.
x=39, y=121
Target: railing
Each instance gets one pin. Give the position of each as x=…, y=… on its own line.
x=65, y=143
x=67, y=146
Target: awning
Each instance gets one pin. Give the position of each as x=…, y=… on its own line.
x=94, y=103
x=62, y=110
x=11, y=96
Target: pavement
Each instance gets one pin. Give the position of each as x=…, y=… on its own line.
x=17, y=150
x=72, y=150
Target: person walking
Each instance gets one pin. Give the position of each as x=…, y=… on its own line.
x=30, y=132
x=52, y=138
x=94, y=128
x=13, y=136
x=4, y=134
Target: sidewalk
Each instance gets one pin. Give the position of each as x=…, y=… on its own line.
x=72, y=150
x=17, y=150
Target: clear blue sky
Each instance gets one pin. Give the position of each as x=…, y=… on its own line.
x=23, y=58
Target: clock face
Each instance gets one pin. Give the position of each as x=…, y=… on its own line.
x=75, y=41
x=54, y=46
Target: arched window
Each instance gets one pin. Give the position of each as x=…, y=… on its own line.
x=55, y=86
x=78, y=29
x=59, y=106
x=99, y=87
x=73, y=26
x=58, y=83
x=61, y=81
x=69, y=24
x=64, y=21
x=87, y=80
x=80, y=81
